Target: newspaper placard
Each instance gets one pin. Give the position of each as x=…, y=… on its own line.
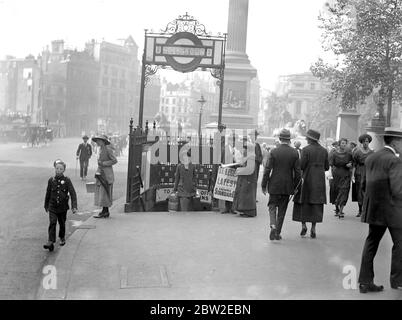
x=225, y=185
x=163, y=194
x=204, y=196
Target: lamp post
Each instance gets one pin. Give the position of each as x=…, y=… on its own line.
x=202, y=102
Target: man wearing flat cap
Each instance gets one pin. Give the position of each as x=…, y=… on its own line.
x=382, y=209
x=281, y=176
x=84, y=153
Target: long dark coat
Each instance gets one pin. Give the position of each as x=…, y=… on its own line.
x=382, y=204
x=283, y=171
x=314, y=163
x=309, y=200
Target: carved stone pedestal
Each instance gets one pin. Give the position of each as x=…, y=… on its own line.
x=348, y=125
x=375, y=129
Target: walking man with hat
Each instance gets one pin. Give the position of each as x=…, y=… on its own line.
x=84, y=153
x=382, y=209
x=310, y=198
x=281, y=176
x=104, y=176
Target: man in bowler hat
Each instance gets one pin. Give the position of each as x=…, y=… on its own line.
x=281, y=177
x=84, y=153
x=382, y=209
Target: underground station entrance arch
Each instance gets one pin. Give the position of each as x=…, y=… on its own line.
x=184, y=46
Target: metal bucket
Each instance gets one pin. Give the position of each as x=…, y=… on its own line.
x=90, y=187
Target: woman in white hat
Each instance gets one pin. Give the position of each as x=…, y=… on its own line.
x=244, y=200
x=104, y=176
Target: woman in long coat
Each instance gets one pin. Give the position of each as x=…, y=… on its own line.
x=332, y=188
x=359, y=158
x=244, y=200
x=310, y=198
x=104, y=176
x=341, y=164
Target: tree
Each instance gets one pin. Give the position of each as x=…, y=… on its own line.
x=366, y=36
x=278, y=114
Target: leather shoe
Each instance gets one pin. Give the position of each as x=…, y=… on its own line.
x=62, y=242
x=272, y=234
x=370, y=287
x=396, y=286
x=243, y=215
x=100, y=215
x=304, y=231
x=49, y=246
x=313, y=234
x=278, y=236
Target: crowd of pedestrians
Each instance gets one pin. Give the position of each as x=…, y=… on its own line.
x=290, y=173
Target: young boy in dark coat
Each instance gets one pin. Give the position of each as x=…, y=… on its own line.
x=59, y=188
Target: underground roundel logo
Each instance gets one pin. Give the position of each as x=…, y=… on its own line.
x=184, y=51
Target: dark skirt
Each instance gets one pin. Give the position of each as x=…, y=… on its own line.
x=341, y=186
x=359, y=190
x=332, y=191
x=354, y=192
x=244, y=199
x=308, y=212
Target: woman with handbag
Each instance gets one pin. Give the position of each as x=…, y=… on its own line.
x=104, y=176
x=310, y=198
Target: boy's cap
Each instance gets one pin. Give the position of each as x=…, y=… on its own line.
x=58, y=161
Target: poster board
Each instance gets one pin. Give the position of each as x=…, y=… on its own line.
x=225, y=185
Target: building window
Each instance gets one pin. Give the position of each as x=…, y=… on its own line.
x=105, y=69
x=113, y=101
x=105, y=81
x=298, y=107
x=312, y=86
x=173, y=100
x=299, y=85
x=122, y=84
x=29, y=88
x=104, y=97
x=114, y=72
x=123, y=74
x=122, y=100
x=114, y=83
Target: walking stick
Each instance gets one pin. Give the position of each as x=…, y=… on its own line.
x=76, y=164
x=296, y=189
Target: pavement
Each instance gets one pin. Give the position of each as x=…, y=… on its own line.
x=213, y=256
x=24, y=174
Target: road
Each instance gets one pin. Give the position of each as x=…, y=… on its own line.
x=23, y=222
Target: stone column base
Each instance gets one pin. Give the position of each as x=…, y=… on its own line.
x=348, y=126
x=375, y=130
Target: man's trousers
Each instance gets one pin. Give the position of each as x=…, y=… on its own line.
x=277, y=206
x=53, y=218
x=374, y=237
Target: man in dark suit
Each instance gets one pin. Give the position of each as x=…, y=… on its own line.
x=281, y=176
x=382, y=209
x=297, y=145
x=84, y=153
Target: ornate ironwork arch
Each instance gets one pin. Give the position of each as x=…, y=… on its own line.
x=186, y=23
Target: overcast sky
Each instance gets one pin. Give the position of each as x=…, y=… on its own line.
x=283, y=35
